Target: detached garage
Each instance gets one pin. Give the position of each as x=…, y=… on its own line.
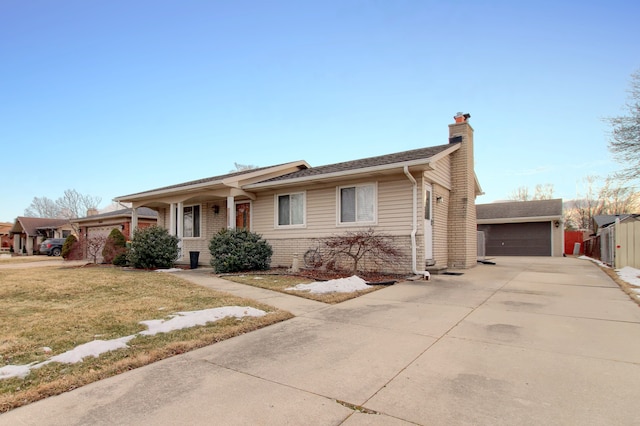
x=520, y=228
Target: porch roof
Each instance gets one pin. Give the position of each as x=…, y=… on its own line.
x=31, y=225
x=227, y=181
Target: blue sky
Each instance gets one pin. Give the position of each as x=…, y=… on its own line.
x=115, y=97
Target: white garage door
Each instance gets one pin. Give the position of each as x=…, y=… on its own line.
x=94, y=235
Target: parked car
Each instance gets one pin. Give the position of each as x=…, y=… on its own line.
x=52, y=246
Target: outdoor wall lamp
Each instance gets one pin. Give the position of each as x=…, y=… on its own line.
x=556, y=224
x=216, y=209
x=438, y=199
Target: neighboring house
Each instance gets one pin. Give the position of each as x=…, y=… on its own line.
x=29, y=232
x=6, y=240
x=423, y=199
x=521, y=228
x=100, y=225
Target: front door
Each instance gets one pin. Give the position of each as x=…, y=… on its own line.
x=428, y=224
x=243, y=215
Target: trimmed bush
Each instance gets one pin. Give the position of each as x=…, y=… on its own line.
x=115, y=247
x=152, y=248
x=237, y=250
x=72, y=249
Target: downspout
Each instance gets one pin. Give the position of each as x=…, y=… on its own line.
x=414, y=230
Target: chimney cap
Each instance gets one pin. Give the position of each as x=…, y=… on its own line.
x=461, y=117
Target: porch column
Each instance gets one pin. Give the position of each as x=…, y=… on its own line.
x=134, y=221
x=29, y=245
x=172, y=219
x=180, y=219
x=16, y=243
x=231, y=210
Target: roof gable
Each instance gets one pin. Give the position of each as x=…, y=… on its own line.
x=30, y=225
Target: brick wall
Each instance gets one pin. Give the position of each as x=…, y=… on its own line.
x=462, y=228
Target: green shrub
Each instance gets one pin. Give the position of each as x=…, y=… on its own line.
x=67, y=247
x=115, y=247
x=153, y=247
x=235, y=250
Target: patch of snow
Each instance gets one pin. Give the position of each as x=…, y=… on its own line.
x=9, y=371
x=169, y=270
x=630, y=275
x=340, y=285
x=189, y=319
x=93, y=348
x=97, y=347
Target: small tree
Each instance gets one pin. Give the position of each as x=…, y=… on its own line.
x=361, y=245
x=95, y=246
x=115, y=248
x=153, y=247
x=235, y=250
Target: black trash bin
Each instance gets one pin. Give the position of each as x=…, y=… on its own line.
x=193, y=257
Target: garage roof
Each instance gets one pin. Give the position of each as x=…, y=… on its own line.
x=536, y=209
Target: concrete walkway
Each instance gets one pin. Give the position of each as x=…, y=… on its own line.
x=528, y=341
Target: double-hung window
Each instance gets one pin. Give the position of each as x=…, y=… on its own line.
x=357, y=203
x=191, y=221
x=290, y=209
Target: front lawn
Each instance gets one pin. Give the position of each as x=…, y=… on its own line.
x=48, y=311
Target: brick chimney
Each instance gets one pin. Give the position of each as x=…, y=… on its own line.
x=92, y=212
x=462, y=230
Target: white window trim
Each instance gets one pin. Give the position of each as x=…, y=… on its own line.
x=276, y=211
x=339, y=222
x=199, y=223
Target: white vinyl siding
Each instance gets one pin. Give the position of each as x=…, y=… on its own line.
x=290, y=210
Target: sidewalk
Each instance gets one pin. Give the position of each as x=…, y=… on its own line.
x=527, y=341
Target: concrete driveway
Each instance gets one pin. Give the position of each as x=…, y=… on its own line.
x=527, y=341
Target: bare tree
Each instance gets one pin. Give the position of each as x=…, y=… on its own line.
x=95, y=244
x=358, y=246
x=611, y=198
x=520, y=194
x=73, y=204
x=624, y=141
x=43, y=207
x=541, y=192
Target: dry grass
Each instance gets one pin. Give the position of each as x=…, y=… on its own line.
x=625, y=286
x=281, y=282
x=62, y=308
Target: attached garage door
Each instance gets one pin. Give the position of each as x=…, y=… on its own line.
x=517, y=239
x=102, y=231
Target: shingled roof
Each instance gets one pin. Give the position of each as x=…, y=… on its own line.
x=520, y=209
x=30, y=225
x=365, y=163
x=142, y=212
x=212, y=179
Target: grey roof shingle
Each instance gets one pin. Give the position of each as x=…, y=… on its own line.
x=382, y=160
x=204, y=180
x=142, y=212
x=516, y=209
x=30, y=225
